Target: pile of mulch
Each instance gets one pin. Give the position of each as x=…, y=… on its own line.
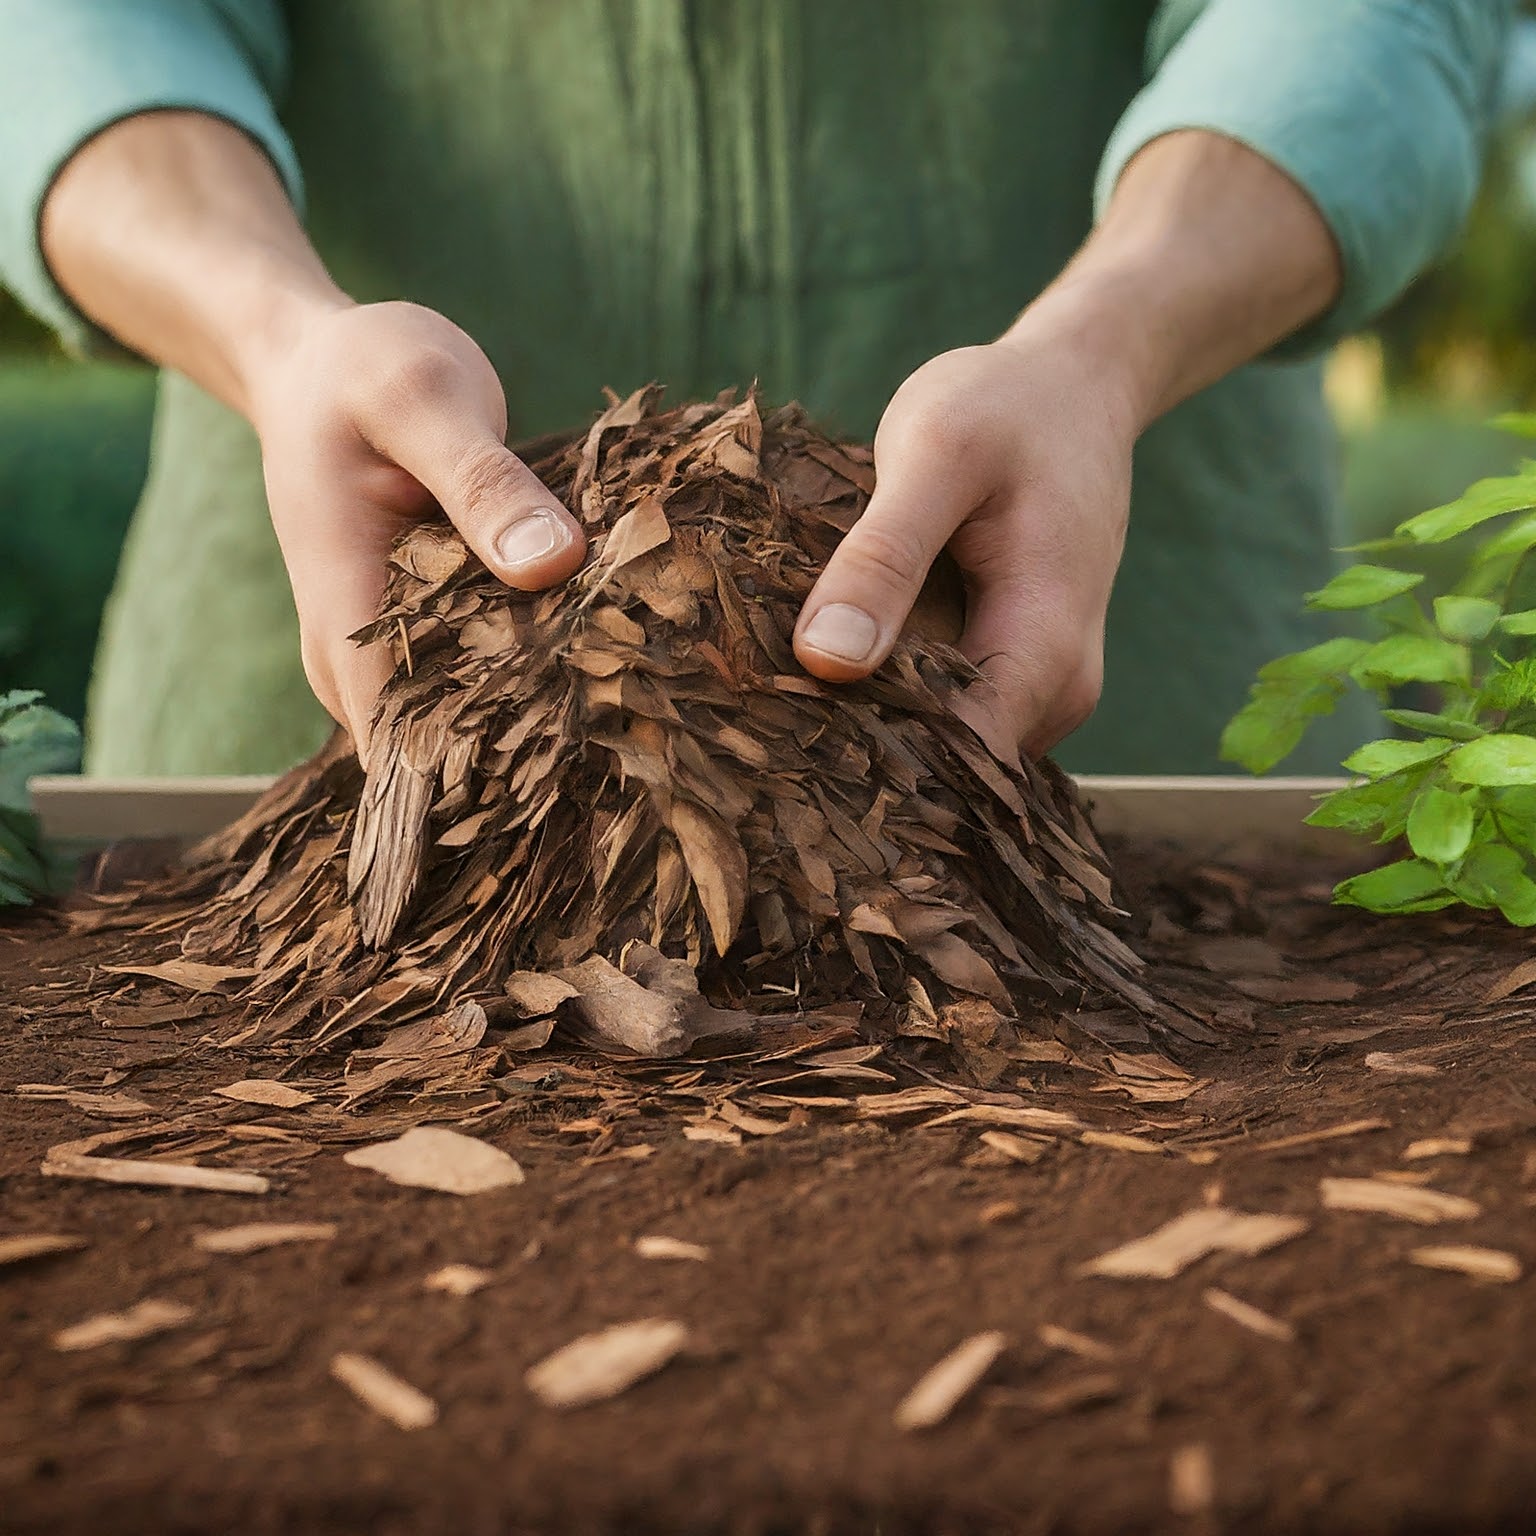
x=802, y=1241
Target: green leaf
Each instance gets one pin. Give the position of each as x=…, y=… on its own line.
x=1435, y=725
x=1495, y=759
x=1440, y=824
x=1522, y=623
x=1380, y=807
x=1409, y=885
x=1521, y=423
x=1465, y=618
x=1363, y=586
x=1507, y=544
x=1486, y=499
x=1412, y=659
x=1377, y=759
x=1494, y=875
x=1333, y=658
x=1508, y=687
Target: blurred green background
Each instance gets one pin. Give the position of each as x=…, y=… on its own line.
x=1411, y=398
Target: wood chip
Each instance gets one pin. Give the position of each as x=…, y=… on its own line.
x=1425, y=1206
x=141, y=1321
x=257, y=1090
x=61, y=1164
x=1480, y=1263
x=1121, y=1141
x=1437, y=1146
x=1013, y=1117
x=1248, y=1316
x=1329, y=1133
x=193, y=975
x=1398, y=1065
x=1018, y=1149
x=941, y=1389
x=377, y=1387
x=1511, y=982
x=256, y=1235
x=601, y=1365
x=1074, y=1343
x=458, y=1279
x=432, y=1157
x=654, y=1246
x=1177, y=1244
x=1191, y=1480
x=36, y=1245
x=720, y=1135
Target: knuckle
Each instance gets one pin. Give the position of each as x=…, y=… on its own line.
x=417, y=373
x=486, y=476
x=891, y=559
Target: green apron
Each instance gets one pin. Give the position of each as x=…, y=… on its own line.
x=818, y=196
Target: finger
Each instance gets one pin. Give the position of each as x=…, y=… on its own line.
x=855, y=611
x=447, y=433
x=1041, y=666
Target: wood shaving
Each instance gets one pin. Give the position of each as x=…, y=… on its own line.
x=1017, y=1149
x=1177, y=1244
x=941, y=1389
x=1073, y=1343
x=601, y=1365
x=257, y=1235
x=377, y=1387
x=1191, y=1480
x=25, y=1246
x=1248, y=1316
x=255, y=1090
x=654, y=1246
x=140, y=1321
x=1329, y=1133
x=1425, y=1206
x=1121, y=1141
x=1437, y=1146
x=432, y=1157
x=63, y=1164
x=1481, y=1263
x=458, y=1279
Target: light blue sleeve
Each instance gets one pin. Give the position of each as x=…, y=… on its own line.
x=1379, y=109
x=71, y=68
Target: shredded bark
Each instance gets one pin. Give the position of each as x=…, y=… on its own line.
x=621, y=804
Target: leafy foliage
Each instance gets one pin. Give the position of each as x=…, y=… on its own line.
x=33, y=739
x=1460, y=783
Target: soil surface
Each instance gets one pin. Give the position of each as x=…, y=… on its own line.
x=851, y=1243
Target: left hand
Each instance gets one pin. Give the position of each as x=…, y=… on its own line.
x=1017, y=455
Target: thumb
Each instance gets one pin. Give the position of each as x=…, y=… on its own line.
x=856, y=610
x=507, y=515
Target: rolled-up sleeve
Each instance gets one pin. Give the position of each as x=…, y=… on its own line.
x=71, y=68
x=1378, y=109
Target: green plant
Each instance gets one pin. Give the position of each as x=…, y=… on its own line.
x=1459, y=783
x=33, y=739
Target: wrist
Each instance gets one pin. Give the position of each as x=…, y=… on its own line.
x=280, y=300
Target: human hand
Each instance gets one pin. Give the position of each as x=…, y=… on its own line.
x=369, y=416
x=1017, y=455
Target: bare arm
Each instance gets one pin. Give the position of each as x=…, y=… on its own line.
x=1017, y=454
x=172, y=231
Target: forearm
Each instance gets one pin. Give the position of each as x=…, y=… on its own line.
x=172, y=231
x=1207, y=256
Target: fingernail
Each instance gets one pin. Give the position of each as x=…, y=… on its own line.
x=843, y=631
x=530, y=538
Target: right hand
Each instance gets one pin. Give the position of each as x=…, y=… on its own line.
x=374, y=414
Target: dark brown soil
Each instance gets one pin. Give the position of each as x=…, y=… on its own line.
x=848, y=1255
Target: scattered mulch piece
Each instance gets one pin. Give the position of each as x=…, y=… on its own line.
x=601, y=1365
x=458, y=1279
x=431, y=1157
x=1425, y=1206
x=941, y=1389
x=255, y=1090
x=63, y=1163
x=654, y=1246
x=1480, y=1263
x=140, y=1321
x=377, y=1387
x=1438, y=1146
x=1074, y=1343
x=1177, y=1244
x=1329, y=1133
x=23, y=1247
x=1248, y=1316
x=258, y=1235
x=1191, y=1480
